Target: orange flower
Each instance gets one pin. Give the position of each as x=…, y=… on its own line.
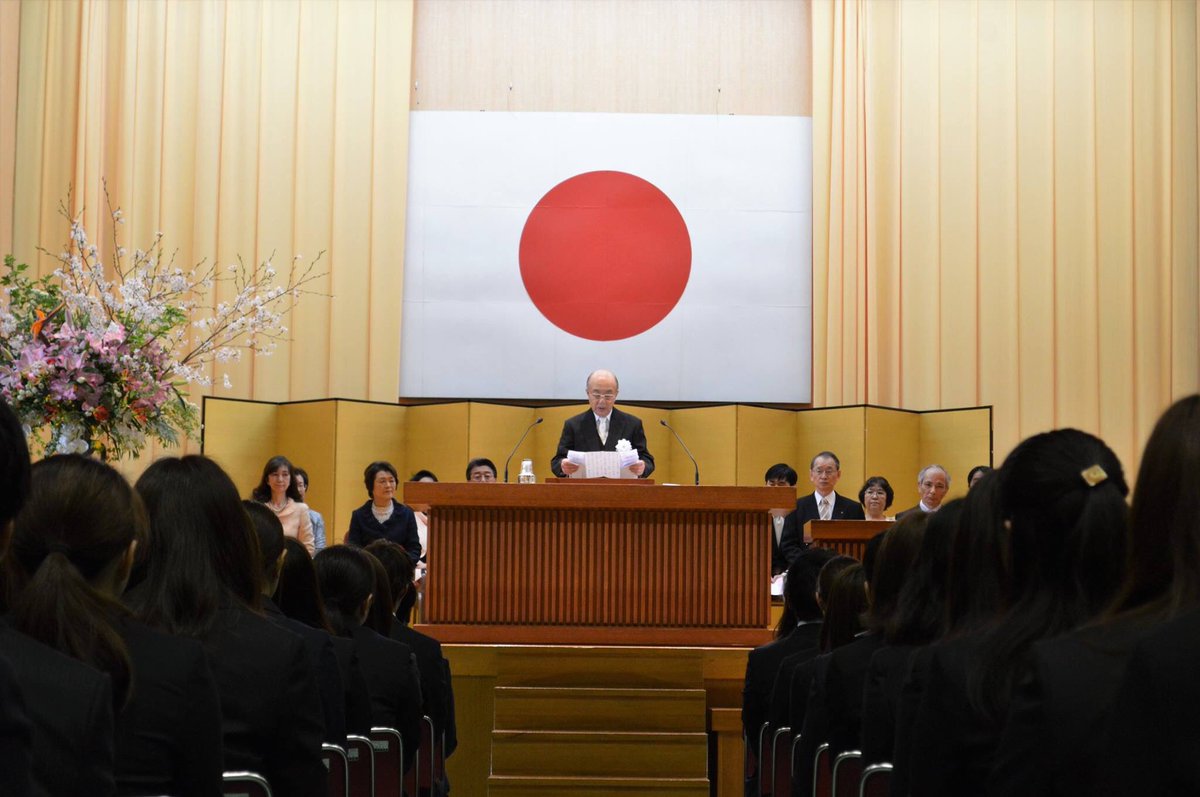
x=37, y=325
x=100, y=414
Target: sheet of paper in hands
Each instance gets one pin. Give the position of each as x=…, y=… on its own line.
x=603, y=464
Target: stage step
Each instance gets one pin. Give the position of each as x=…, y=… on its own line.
x=512, y=786
x=576, y=709
x=591, y=754
x=626, y=668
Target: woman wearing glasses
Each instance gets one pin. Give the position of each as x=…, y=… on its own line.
x=382, y=517
x=876, y=497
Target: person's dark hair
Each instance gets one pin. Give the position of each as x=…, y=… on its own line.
x=423, y=474
x=14, y=466
x=1063, y=495
x=373, y=470
x=262, y=492
x=984, y=469
x=347, y=579
x=380, y=616
x=201, y=551
x=979, y=561
x=475, y=463
x=828, y=573
x=871, y=553
x=1163, y=574
x=298, y=595
x=79, y=520
x=303, y=474
x=844, y=608
x=920, y=615
x=782, y=472
x=270, y=538
x=881, y=483
x=800, y=590
x=897, y=553
x=830, y=455
x=398, y=566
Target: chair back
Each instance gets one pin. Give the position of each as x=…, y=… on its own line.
x=876, y=781
x=762, y=748
x=338, y=767
x=822, y=774
x=361, y=756
x=244, y=784
x=847, y=772
x=389, y=761
x=781, y=765
x=420, y=777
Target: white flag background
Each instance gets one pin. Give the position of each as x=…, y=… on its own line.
x=740, y=331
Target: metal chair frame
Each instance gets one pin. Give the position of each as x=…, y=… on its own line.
x=252, y=780
x=844, y=759
x=872, y=772
x=357, y=748
x=334, y=751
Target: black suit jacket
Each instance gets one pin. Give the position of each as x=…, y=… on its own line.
x=435, y=686
x=391, y=673
x=781, y=690
x=16, y=735
x=881, y=699
x=762, y=665
x=168, y=737
x=400, y=528
x=70, y=709
x=271, y=712
x=357, y=696
x=579, y=434
x=325, y=664
x=791, y=541
x=844, y=684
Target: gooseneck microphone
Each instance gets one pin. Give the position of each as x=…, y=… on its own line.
x=685, y=450
x=518, y=445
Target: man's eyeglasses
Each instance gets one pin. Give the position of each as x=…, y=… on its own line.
x=606, y=396
x=824, y=471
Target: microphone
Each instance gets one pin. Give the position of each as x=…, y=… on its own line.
x=518, y=445
x=685, y=450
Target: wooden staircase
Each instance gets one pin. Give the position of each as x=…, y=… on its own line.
x=628, y=734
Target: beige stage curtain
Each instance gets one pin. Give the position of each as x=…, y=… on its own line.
x=1005, y=200
x=235, y=128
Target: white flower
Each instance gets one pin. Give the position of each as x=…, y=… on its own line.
x=623, y=446
x=227, y=383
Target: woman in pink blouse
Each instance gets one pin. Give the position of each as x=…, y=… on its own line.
x=278, y=491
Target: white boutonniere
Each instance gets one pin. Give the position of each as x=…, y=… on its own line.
x=623, y=446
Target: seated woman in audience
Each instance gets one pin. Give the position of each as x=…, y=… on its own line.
x=918, y=620
x=72, y=551
x=1062, y=495
x=347, y=578
x=318, y=643
x=300, y=479
x=299, y=597
x=1053, y=743
x=876, y=497
x=277, y=489
x=382, y=517
x=201, y=581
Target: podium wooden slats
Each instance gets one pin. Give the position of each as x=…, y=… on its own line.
x=848, y=537
x=597, y=562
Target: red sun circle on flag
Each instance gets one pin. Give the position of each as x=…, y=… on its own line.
x=605, y=255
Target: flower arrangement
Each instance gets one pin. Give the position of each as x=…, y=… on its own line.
x=96, y=359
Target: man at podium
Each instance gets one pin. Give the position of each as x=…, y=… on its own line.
x=601, y=427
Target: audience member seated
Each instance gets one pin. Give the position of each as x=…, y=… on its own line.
x=299, y=598
x=201, y=581
x=933, y=482
x=780, y=475
x=481, y=469
x=348, y=586
x=876, y=497
x=436, y=688
x=1062, y=495
x=277, y=489
x=1053, y=743
x=382, y=517
x=56, y=713
x=300, y=479
x=318, y=643
x=822, y=504
x=976, y=473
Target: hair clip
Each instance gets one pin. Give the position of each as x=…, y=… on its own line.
x=1093, y=475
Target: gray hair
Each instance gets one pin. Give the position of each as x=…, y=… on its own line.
x=927, y=468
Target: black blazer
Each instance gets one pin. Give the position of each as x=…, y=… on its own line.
x=815, y=728
x=400, y=528
x=1153, y=743
x=71, y=713
x=844, y=684
x=357, y=696
x=881, y=700
x=391, y=673
x=791, y=541
x=168, y=737
x=579, y=434
x=435, y=686
x=271, y=712
x=781, y=689
x=762, y=665
x=1053, y=738
x=325, y=664
x=16, y=735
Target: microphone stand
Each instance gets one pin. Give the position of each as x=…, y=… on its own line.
x=518, y=445
x=685, y=450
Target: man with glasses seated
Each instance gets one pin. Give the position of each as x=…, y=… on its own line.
x=932, y=483
x=823, y=504
x=601, y=427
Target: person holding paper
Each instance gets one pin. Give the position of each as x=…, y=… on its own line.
x=601, y=427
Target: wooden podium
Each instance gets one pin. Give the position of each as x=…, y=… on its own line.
x=598, y=563
x=848, y=537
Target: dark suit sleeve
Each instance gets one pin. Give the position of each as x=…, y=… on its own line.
x=200, y=751
x=409, y=711
x=638, y=441
x=293, y=762
x=566, y=442
x=333, y=702
x=1022, y=766
x=354, y=535
x=791, y=539
x=96, y=747
x=16, y=734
